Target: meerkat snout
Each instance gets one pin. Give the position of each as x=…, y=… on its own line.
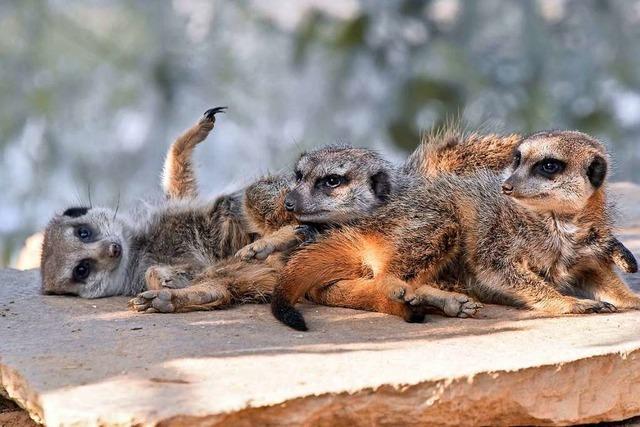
x=507, y=188
x=290, y=201
x=115, y=250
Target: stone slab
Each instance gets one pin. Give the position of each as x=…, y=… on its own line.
x=70, y=361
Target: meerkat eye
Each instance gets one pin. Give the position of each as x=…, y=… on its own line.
x=82, y=271
x=298, y=176
x=333, y=181
x=84, y=233
x=517, y=158
x=549, y=167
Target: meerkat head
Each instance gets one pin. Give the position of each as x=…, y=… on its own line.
x=84, y=253
x=556, y=171
x=337, y=183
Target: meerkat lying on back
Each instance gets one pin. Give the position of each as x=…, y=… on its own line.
x=539, y=239
x=93, y=252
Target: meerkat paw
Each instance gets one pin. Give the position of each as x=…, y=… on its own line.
x=459, y=305
x=401, y=291
x=583, y=306
x=209, y=116
x=452, y=304
x=174, y=300
x=163, y=276
x=208, y=120
x=260, y=249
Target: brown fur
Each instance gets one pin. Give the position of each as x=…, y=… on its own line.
x=451, y=151
x=519, y=250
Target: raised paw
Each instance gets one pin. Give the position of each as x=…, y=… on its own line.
x=207, y=121
x=210, y=114
x=260, y=249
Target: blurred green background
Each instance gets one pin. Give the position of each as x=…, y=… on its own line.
x=92, y=92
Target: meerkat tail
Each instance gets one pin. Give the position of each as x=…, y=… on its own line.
x=178, y=178
x=339, y=256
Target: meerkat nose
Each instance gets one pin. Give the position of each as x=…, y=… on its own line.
x=507, y=188
x=289, y=204
x=115, y=250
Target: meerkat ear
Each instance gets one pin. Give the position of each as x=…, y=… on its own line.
x=381, y=185
x=75, y=212
x=597, y=171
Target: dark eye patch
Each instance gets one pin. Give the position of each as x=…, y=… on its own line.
x=84, y=233
x=298, y=175
x=82, y=270
x=549, y=168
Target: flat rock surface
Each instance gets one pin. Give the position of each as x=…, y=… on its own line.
x=70, y=361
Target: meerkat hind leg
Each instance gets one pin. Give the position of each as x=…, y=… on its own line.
x=378, y=294
x=530, y=291
x=218, y=286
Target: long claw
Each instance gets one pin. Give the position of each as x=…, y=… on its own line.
x=213, y=111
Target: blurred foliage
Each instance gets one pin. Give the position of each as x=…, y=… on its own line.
x=93, y=92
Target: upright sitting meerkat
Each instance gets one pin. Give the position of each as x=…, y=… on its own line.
x=539, y=239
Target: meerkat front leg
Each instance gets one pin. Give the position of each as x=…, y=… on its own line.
x=178, y=178
x=606, y=285
x=517, y=285
x=282, y=240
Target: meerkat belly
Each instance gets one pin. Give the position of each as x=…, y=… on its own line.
x=199, y=236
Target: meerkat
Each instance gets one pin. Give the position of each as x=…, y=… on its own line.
x=539, y=239
x=451, y=151
x=93, y=252
x=356, y=184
